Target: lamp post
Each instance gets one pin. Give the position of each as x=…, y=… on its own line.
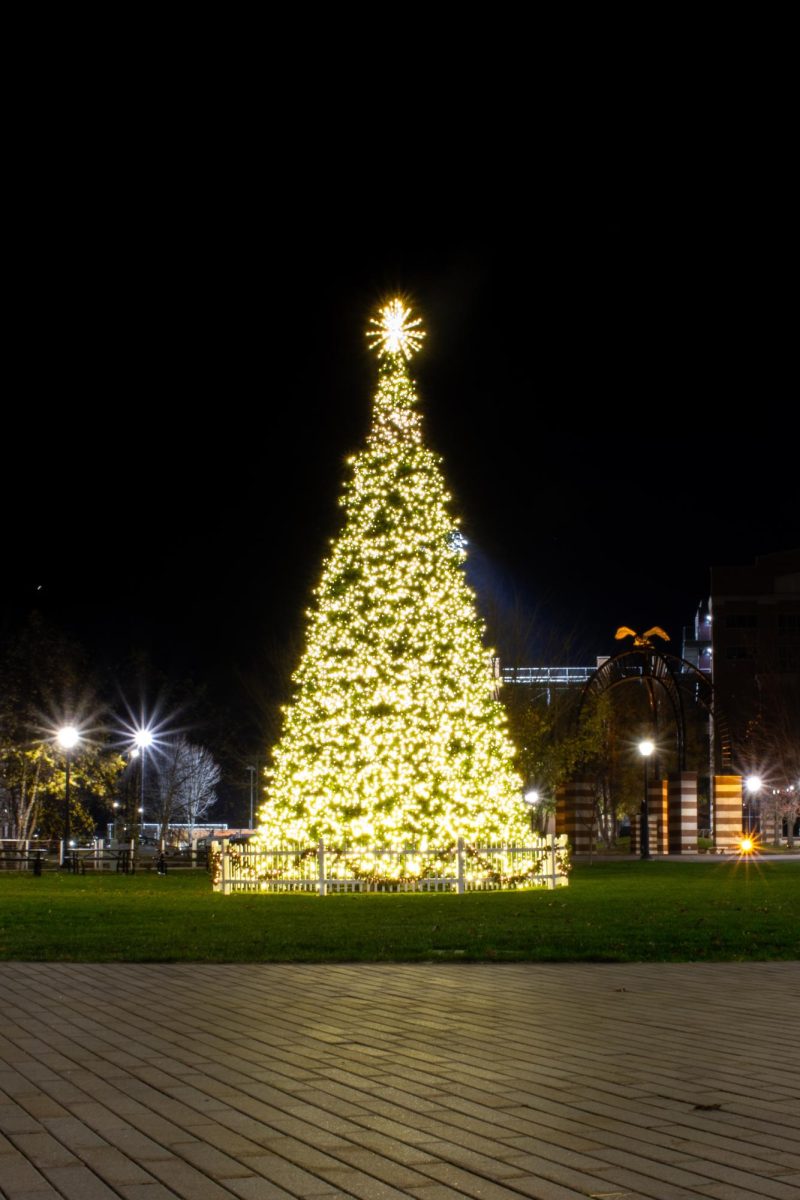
x=532, y=800
x=752, y=785
x=646, y=748
x=67, y=738
x=141, y=740
x=252, y=771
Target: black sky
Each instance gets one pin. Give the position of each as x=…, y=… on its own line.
x=609, y=389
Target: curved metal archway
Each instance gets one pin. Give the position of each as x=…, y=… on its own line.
x=654, y=669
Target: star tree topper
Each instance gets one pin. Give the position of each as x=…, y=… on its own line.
x=392, y=331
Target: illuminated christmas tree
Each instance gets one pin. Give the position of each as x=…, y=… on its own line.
x=394, y=736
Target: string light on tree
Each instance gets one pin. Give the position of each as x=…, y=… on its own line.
x=393, y=735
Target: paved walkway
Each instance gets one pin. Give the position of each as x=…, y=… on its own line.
x=433, y=1080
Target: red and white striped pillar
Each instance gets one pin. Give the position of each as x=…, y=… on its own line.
x=575, y=814
x=682, y=812
x=727, y=831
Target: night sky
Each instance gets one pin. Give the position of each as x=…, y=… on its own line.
x=605, y=391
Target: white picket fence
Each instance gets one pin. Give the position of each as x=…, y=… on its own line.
x=325, y=869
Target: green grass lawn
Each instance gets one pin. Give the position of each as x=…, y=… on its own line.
x=611, y=912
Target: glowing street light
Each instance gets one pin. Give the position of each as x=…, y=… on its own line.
x=67, y=738
x=646, y=748
x=141, y=740
x=752, y=785
x=532, y=799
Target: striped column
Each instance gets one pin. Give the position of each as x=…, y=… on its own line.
x=727, y=811
x=682, y=812
x=657, y=814
x=575, y=813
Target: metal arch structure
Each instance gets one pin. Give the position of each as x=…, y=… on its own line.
x=671, y=673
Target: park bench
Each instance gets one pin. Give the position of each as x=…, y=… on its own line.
x=102, y=860
x=163, y=863
x=35, y=860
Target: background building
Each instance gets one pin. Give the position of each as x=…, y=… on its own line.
x=696, y=645
x=755, y=621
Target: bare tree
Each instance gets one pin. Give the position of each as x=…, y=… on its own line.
x=200, y=775
x=164, y=797
x=789, y=810
x=772, y=748
x=187, y=784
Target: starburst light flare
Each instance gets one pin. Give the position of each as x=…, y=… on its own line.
x=393, y=332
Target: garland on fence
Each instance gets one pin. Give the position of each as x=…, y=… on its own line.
x=492, y=875
x=242, y=864
x=366, y=866
x=365, y=869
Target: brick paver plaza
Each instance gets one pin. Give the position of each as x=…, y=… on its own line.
x=433, y=1080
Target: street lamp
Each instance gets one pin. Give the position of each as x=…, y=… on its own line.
x=646, y=748
x=531, y=798
x=141, y=740
x=753, y=785
x=67, y=738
